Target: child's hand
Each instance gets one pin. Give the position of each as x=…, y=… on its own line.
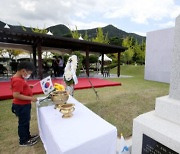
x=34, y=99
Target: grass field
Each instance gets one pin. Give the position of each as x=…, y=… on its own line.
x=117, y=105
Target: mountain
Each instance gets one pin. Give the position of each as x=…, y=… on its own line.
x=64, y=31
x=112, y=32
x=57, y=30
x=2, y=24
x=60, y=30
x=110, y=29
x=16, y=28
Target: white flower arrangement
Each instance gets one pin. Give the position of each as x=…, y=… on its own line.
x=68, y=75
x=70, y=70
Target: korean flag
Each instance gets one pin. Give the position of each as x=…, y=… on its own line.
x=47, y=85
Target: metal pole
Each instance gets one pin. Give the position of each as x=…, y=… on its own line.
x=87, y=62
x=118, y=68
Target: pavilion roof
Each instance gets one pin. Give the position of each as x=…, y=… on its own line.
x=45, y=40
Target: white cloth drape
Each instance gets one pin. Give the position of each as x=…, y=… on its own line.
x=83, y=133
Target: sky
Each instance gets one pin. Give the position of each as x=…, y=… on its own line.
x=134, y=16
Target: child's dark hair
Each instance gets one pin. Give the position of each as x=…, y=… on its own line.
x=25, y=65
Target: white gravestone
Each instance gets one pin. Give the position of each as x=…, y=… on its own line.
x=168, y=107
x=163, y=124
x=175, y=73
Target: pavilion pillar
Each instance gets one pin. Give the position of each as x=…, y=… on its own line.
x=40, y=71
x=118, y=68
x=87, y=62
x=102, y=63
x=34, y=61
x=34, y=56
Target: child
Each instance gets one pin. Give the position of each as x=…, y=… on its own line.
x=21, y=107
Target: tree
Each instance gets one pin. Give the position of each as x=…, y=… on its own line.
x=1, y=52
x=75, y=33
x=128, y=54
x=143, y=50
x=37, y=30
x=93, y=59
x=47, y=55
x=86, y=37
x=100, y=37
x=115, y=41
x=23, y=28
x=139, y=52
x=11, y=53
x=106, y=39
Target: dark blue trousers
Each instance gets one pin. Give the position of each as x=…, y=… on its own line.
x=23, y=112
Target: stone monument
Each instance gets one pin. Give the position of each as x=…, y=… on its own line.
x=158, y=131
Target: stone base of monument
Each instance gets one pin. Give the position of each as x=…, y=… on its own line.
x=158, y=131
x=168, y=108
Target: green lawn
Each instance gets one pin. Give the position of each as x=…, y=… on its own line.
x=118, y=105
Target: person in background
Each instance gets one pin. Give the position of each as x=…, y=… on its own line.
x=55, y=66
x=3, y=69
x=98, y=67
x=45, y=67
x=13, y=65
x=21, y=106
x=61, y=66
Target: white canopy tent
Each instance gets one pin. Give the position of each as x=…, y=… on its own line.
x=80, y=38
x=49, y=33
x=106, y=58
x=7, y=26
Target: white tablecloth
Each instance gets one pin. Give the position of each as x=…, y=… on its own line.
x=83, y=133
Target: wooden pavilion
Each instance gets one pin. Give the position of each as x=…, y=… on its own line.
x=36, y=43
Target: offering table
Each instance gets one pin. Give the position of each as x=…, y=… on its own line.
x=83, y=133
